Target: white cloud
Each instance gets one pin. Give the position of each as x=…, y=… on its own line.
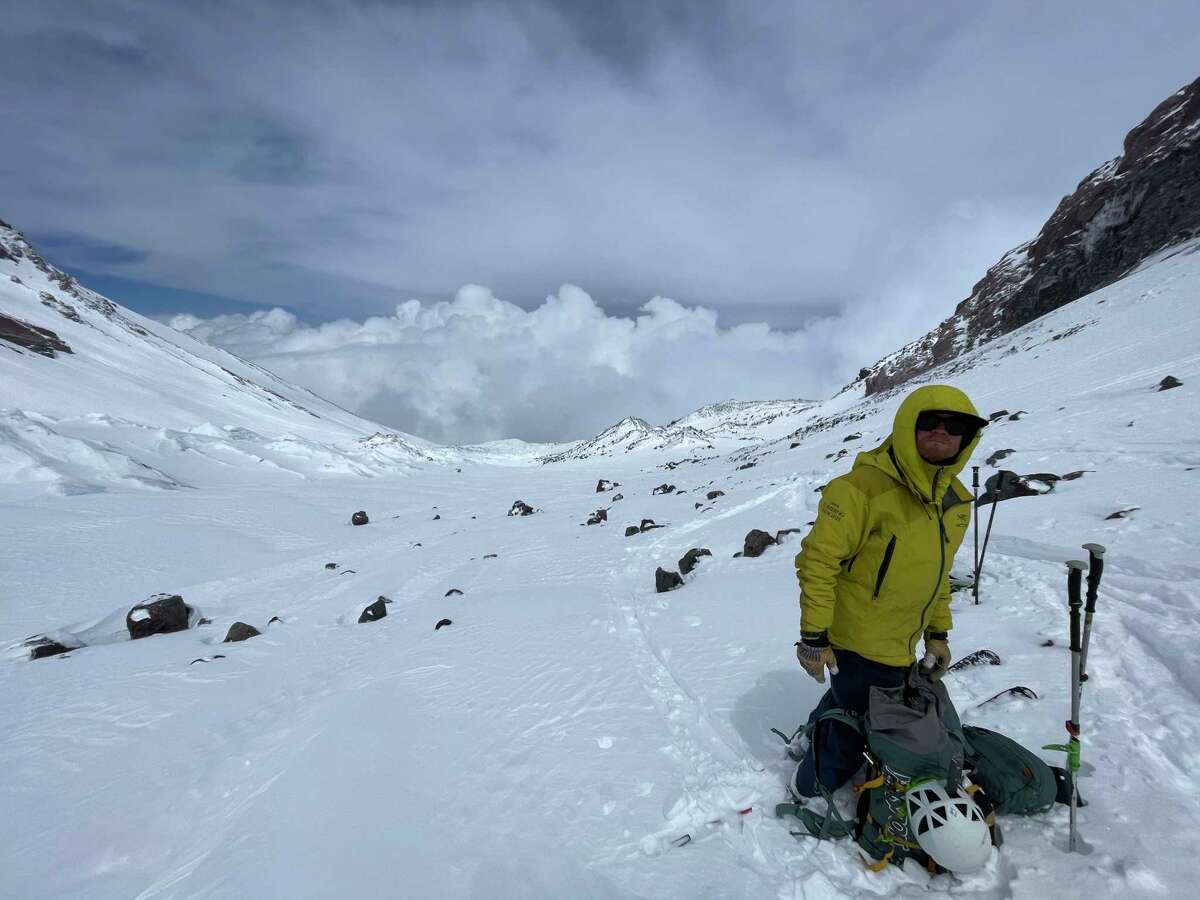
x=479, y=368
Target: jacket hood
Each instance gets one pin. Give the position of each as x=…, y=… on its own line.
x=901, y=447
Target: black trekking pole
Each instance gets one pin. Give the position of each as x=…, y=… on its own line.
x=975, y=498
x=1001, y=483
x=1074, y=602
x=1095, y=570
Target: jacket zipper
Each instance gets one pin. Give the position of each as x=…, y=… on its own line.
x=912, y=641
x=883, y=567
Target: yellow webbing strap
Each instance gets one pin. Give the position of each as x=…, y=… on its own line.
x=879, y=865
x=867, y=785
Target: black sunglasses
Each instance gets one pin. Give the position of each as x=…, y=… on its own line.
x=955, y=424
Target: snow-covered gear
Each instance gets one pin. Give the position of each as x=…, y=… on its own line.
x=949, y=826
x=874, y=568
x=815, y=655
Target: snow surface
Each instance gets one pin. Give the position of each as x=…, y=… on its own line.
x=570, y=723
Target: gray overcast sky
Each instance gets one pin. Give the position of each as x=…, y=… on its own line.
x=775, y=162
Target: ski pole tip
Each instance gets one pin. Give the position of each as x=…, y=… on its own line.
x=1094, y=549
x=1077, y=564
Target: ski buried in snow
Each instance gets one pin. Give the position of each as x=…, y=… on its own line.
x=1017, y=690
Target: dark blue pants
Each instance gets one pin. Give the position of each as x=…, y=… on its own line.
x=838, y=747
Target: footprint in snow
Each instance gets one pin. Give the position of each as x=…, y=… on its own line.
x=604, y=743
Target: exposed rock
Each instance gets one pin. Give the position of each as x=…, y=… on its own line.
x=1123, y=513
x=664, y=489
x=713, y=495
x=375, y=611
x=748, y=465
x=442, y=623
x=631, y=530
x=756, y=542
x=160, y=614
x=1016, y=417
x=793, y=445
x=521, y=508
x=852, y=437
x=1169, y=382
x=998, y=414
x=605, y=485
x=490, y=555
x=359, y=518
x=41, y=647
x=452, y=592
x=438, y=516
x=274, y=619
x=1048, y=642
x=331, y=566
x=203, y=622
x=40, y=340
x=600, y=515
x=1146, y=199
x=666, y=581
x=687, y=562
x=782, y=533
x=648, y=524
x=999, y=455
x=240, y=631
x=838, y=455
x=617, y=497
x=1071, y=476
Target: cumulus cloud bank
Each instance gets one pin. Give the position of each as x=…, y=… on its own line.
x=479, y=368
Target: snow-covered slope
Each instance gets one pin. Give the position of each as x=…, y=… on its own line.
x=569, y=726
x=631, y=434
x=747, y=420
x=92, y=394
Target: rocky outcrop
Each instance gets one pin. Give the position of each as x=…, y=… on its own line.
x=1146, y=199
x=161, y=614
x=31, y=337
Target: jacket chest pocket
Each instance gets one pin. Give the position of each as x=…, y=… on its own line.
x=884, y=564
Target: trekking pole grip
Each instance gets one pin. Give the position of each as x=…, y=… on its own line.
x=1075, y=569
x=1095, y=570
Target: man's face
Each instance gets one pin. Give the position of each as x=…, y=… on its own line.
x=936, y=445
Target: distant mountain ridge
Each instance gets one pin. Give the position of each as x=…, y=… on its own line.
x=1144, y=200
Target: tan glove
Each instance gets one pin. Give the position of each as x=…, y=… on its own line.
x=815, y=655
x=937, y=654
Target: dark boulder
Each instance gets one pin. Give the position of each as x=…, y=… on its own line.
x=161, y=614
x=1071, y=476
x=442, y=623
x=274, y=619
x=713, y=495
x=664, y=489
x=648, y=525
x=631, y=530
x=1169, y=382
x=600, y=515
x=852, y=437
x=438, y=516
x=1016, y=417
x=41, y=647
x=999, y=455
x=688, y=561
x=666, y=581
x=359, y=518
x=756, y=542
x=452, y=592
x=240, y=631
x=375, y=611
x=617, y=497
x=491, y=555
x=521, y=508
x=1123, y=513
x=784, y=532
x=748, y=465
x=605, y=485
x=998, y=414
x=331, y=566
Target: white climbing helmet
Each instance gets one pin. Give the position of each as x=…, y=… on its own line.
x=951, y=829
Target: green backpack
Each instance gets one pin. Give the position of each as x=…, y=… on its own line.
x=913, y=735
x=1014, y=780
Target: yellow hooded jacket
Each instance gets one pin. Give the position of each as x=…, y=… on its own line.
x=874, y=570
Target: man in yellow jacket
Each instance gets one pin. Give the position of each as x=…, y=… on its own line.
x=874, y=570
